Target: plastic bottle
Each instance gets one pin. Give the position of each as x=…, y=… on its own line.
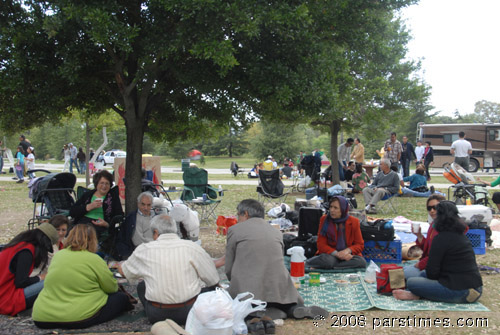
x=297, y=265
x=221, y=192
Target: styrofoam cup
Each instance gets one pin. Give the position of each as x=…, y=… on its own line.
x=415, y=227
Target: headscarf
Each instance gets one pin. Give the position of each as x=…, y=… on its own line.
x=344, y=214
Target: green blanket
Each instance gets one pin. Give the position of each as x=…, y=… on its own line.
x=362, y=296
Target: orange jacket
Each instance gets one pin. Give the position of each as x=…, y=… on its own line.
x=353, y=237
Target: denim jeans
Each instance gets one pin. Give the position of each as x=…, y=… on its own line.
x=31, y=293
x=71, y=162
x=432, y=290
x=407, y=191
x=20, y=173
x=412, y=271
x=1, y=163
x=82, y=167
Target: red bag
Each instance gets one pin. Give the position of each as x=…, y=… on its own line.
x=390, y=277
x=224, y=222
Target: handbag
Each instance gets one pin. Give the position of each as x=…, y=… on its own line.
x=375, y=231
x=19, y=167
x=390, y=277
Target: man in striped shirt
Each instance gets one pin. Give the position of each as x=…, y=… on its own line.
x=174, y=271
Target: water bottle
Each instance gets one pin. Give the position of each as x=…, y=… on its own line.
x=221, y=192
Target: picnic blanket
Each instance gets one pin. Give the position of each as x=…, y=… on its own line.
x=361, y=296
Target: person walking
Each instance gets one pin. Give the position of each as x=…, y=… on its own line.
x=428, y=158
x=72, y=158
x=407, y=156
x=67, y=158
x=81, y=160
x=461, y=149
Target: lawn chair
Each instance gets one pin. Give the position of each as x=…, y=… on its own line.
x=271, y=188
x=195, y=186
x=387, y=203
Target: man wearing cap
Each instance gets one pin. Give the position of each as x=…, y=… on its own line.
x=72, y=156
x=175, y=271
x=268, y=163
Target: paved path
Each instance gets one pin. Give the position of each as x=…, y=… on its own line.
x=234, y=181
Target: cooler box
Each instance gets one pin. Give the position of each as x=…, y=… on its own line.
x=468, y=211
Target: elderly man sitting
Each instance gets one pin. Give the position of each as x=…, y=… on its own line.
x=137, y=227
x=174, y=271
x=386, y=182
x=254, y=263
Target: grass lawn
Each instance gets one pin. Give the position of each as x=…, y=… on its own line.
x=17, y=208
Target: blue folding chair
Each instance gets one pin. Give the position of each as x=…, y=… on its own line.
x=387, y=203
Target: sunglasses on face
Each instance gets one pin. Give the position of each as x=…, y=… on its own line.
x=429, y=208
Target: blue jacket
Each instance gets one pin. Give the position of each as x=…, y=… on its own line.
x=416, y=181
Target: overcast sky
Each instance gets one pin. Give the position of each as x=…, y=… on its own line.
x=458, y=42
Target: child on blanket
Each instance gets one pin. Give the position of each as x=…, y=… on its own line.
x=451, y=274
x=340, y=242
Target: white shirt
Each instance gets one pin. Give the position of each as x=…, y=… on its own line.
x=461, y=147
x=173, y=270
x=31, y=161
x=419, y=152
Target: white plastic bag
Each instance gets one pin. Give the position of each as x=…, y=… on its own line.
x=278, y=211
x=284, y=223
x=242, y=306
x=212, y=313
x=371, y=272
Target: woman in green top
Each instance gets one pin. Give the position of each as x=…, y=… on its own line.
x=99, y=206
x=496, y=195
x=79, y=289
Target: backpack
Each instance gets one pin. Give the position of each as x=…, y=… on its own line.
x=375, y=231
x=390, y=277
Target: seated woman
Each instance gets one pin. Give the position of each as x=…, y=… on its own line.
x=99, y=206
x=80, y=291
x=26, y=251
x=451, y=274
x=360, y=179
x=422, y=242
x=418, y=184
x=339, y=239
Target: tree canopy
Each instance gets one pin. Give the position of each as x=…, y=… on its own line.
x=183, y=68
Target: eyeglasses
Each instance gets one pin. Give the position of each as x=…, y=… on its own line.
x=429, y=208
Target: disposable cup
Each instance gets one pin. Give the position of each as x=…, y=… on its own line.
x=415, y=226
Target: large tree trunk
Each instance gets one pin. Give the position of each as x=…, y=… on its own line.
x=135, y=137
x=87, y=153
x=334, y=131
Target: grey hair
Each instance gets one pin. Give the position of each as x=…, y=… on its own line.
x=163, y=224
x=252, y=207
x=145, y=194
x=386, y=161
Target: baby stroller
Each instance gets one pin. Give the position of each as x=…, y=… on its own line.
x=465, y=187
x=54, y=192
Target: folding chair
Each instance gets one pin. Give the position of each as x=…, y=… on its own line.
x=387, y=203
x=271, y=187
x=195, y=186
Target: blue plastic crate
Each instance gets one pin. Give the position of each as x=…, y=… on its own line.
x=477, y=238
x=383, y=251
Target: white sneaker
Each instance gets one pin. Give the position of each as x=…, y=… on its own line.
x=367, y=208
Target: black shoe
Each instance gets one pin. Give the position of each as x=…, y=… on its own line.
x=432, y=189
x=256, y=327
x=269, y=325
x=20, y=181
x=309, y=312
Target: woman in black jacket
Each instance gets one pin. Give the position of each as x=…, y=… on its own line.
x=99, y=206
x=451, y=274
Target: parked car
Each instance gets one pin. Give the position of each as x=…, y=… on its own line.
x=109, y=157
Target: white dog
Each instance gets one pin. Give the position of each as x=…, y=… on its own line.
x=184, y=215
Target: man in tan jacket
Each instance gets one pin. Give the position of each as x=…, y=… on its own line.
x=358, y=153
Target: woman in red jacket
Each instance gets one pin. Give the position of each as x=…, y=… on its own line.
x=339, y=239
x=26, y=251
